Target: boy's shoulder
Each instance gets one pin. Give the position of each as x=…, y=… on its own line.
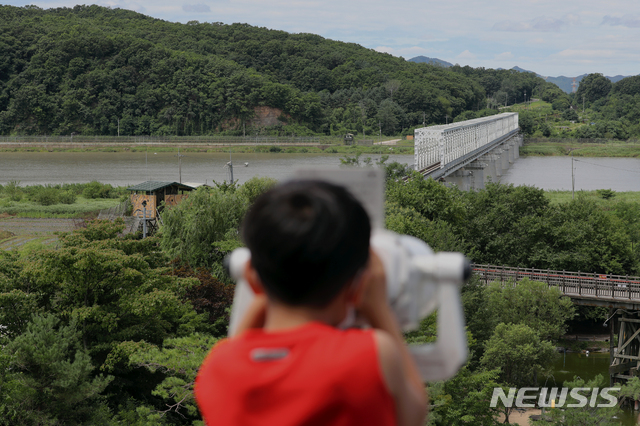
x=316, y=344
x=343, y=366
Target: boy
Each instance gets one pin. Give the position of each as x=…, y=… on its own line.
x=289, y=363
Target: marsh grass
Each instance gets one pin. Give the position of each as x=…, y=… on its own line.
x=83, y=207
x=579, y=149
x=560, y=197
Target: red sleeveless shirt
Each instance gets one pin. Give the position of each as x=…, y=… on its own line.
x=311, y=375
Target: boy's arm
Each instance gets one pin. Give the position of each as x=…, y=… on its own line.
x=254, y=316
x=400, y=372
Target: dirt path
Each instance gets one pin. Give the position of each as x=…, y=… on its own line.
x=23, y=230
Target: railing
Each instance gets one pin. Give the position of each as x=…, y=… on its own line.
x=581, y=285
x=447, y=143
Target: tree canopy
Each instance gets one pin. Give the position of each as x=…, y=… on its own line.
x=93, y=70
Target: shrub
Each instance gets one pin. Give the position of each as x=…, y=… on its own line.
x=12, y=189
x=46, y=196
x=67, y=197
x=95, y=189
x=606, y=193
x=275, y=149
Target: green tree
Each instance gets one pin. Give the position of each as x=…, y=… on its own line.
x=390, y=116
x=593, y=87
x=587, y=415
x=526, y=123
x=519, y=353
x=208, y=216
x=50, y=378
x=535, y=304
x=464, y=399
x=429, y=198
x=179, y=359
x=437, y=233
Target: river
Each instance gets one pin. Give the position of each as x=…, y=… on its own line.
x=586, y=367
x=554, y=173
x=127, y=168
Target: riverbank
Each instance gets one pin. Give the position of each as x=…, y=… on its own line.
x=606, y=198
x=580, y=148
x=581, y=343
x=382, y=146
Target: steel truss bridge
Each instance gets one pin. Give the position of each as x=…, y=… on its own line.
x=468, y=153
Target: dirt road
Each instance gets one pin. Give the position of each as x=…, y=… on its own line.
x=23, y=230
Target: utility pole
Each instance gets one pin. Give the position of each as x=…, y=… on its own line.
x=573, y=180
x=146, y=162
x=119, y=125
x=179, y=165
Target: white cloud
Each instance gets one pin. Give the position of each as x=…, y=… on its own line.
x=198, y=8
x=538, y=24
x=504, y=56
x=386, y=49
x=466, y=55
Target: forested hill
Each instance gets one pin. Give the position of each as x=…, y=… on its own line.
x=85, y=69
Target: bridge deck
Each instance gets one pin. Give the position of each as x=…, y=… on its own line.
x=585, y=288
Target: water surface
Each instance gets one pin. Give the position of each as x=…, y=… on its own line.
x=554, y=173
x=127, y=168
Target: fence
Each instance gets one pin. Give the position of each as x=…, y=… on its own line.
x=572, y=284
x=151, y=140
x=113, y=212
x=578, y=140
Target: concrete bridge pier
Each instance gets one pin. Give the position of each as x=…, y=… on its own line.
x=479, y=171
x=511, y=150
x=461, y=178
x=504, y=156
x=519, y=141
x=489, y=172
x=499, y=164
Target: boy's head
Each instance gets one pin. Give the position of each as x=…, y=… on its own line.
x=308, y=239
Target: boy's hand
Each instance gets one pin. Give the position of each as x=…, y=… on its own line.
x=373, y=301
x=254, y=316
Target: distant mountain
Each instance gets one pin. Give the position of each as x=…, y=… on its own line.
x=565, y=83
x=432, y=61
x=517, y=68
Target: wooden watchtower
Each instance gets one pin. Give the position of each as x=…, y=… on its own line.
x=148, y=196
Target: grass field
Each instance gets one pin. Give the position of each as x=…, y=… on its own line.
x=82, y=208
x=559, y=197
x=30, y=234
x=578, y=149
x=328, y=145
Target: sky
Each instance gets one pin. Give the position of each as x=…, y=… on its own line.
x=550, y=37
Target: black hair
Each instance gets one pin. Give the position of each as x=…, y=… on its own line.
x=307, y=239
